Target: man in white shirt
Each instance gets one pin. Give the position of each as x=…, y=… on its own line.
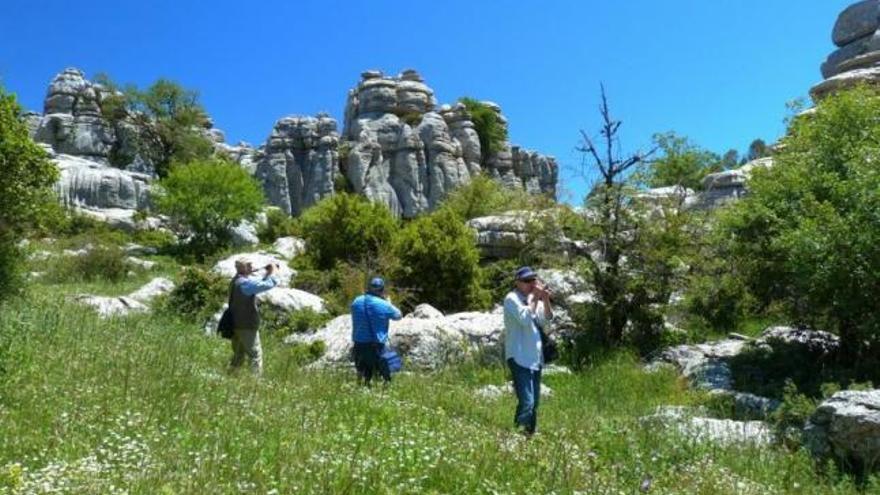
x=525, y=308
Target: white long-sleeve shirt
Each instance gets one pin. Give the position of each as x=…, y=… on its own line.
x=522, y=341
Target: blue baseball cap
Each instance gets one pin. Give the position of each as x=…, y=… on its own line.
x=377, y=283
x=525, y=273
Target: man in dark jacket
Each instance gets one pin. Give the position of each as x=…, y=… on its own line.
x=246, y=340
x=370, y=314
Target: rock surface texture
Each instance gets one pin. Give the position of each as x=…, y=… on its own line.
x=405, y=151
x=857, y=58
x=847, y=426
x=425, y=338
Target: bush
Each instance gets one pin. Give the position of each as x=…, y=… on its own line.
x=346, y=227
x=491, y=130
x=303, y=321
x=682, y=163
x=439, y=261
x=807, y=234
x=205, y=199
x=26, y=178
x=98, y=263
x=278, y=224
x=197, y=294
x=163, y=124
x=484, y=196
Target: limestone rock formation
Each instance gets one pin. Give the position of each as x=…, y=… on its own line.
x=226, y=266
x=857, y=59
x=702, y=429
x=406, y=152
x=847, y=426
x=726, y=186
x=136, y=302
x=425, y=340
x=299, y=162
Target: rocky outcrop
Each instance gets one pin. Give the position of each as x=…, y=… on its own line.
x=505, y=235
x=724, y=187
x=702, y=429
x=847, y=426
x=136, y=302
x=857, y=59
x=404, y=151
x=226, y=266
x=72, y=123
x=299, y=162
x=426, y=339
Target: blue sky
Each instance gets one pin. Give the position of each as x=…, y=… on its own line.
x=719, y=72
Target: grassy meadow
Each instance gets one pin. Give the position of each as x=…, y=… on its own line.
x=144, y=405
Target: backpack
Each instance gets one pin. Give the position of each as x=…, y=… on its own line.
x=226, y=325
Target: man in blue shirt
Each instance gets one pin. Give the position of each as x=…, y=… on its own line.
x=526, y=308
x=246, y=317
x=370, y=314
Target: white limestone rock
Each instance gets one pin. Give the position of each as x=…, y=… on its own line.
x=226, y=267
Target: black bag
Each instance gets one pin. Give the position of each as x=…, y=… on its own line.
x=226, y=325
x=548, y=346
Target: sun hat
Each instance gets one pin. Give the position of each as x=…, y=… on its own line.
x=524, y=273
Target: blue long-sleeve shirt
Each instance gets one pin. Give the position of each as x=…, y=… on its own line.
x=369, y=317
x=253, y=286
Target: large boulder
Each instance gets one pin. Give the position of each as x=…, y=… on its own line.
x=279, y=299
x=857, y=21
x=226, y=266
x=136, y=302
x=729, y=185
x=289, y=247
x=425, y=340
x=857, y=60
x=847, y=426
x=703, y=429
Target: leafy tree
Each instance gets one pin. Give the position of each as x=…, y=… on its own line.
x=167, y=121
x=439, y=260
x=808, y=235
x=730, y=160
x=26, y=177
x=491, y=130
x=206, y=199
x=757, y=149
x=681, y=163
x=346, y=227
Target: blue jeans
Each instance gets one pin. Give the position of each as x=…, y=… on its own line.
x=527, y=385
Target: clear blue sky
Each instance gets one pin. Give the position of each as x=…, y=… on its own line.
x=719, y=72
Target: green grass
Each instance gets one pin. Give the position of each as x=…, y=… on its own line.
x=144, y=405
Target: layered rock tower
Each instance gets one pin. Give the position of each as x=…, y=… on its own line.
x=857, y=59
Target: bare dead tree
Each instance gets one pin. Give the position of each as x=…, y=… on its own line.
x=612, y=200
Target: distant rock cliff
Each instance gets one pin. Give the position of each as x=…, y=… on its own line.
x=398, y=147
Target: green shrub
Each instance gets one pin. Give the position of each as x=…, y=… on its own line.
x=682, y=163
x=439, y=261
x=285, y=323
x=26, y=178
x=98, y=263
x=197, y=294
x=278, y=224
x=498, y=278
x=205, y=199
x=484, y=196
x=346, y=227
x=794, y=411
x=301, y=354
x=163, y=124
x=490, y=129
x=806, y=234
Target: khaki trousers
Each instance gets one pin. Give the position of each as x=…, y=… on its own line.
x=247, y=343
